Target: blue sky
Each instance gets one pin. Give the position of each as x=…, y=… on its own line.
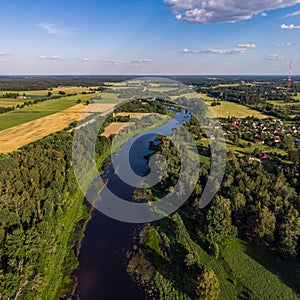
x=149, y=37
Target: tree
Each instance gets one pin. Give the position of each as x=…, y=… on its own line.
x=190, y=260
x=208, y=287
x=289, y=232
x=266, y=225
x=288, y=142
x=218, y=220
x=256, y=151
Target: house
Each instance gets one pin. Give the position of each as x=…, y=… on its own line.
x=294, y=129
x=252, y=159
x=263, y=156
x=234, y=124
x=277, y=139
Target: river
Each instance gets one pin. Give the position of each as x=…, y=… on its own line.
x=102, y=272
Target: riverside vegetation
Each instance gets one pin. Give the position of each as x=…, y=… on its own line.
x=244, y=245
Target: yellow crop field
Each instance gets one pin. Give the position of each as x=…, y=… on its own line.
x=15, y=137
x=114, y=128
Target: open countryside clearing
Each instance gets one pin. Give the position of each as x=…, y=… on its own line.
x=13, y=138
x=114, y=128
x=39, y=110
x=134, y=115
x=229, y=109
x=226, y=109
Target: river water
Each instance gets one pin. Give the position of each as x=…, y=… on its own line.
x=102, y=272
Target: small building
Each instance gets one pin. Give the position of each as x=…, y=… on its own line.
x=277, y=139
x=234, y=124
x=263, y=156
x=252, y=159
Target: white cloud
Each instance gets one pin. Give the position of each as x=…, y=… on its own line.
x=54, y=57
x=212, y=11
x=114, y=62
x=4, y=53
x=215, y=51
x=140, y=62
x=296, y=13
x=50, y=28
x=263, y=14
x=85, y=59
x=247, y=46
x=291, y=26
x=274, y=57
x=56, y=29
x=285, y=44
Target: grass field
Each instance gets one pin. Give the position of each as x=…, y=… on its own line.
x=66, y=89
x=244, y=271
x=135, y=115
x=226, y=109
x=282, y=103
x=296, y=97
x=248, y=150
x=8, y=102
x=229, y=109
x=109, y=98
x=62, y=260
x=114, y=128
x=35, y=95
x=28, y=93
x=161, y=89
x=25, y=125
x=39, y=110
x=13, y=138
x=240, y=268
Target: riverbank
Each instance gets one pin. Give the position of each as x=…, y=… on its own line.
x=167, y=264
x=79, y=233
x=106, y=240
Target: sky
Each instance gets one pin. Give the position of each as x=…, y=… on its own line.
x=147, y=37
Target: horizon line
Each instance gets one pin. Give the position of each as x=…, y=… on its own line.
x=140, y=75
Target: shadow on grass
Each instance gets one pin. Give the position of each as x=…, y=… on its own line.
x=175, y=270
x=287, y=270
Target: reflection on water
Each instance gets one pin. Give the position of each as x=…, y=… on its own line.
x=102, y=260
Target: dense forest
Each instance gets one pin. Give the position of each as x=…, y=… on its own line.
x=256, y=203
x=40, y=207
x=19, y=83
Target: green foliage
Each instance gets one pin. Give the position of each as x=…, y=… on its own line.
x=215, y=250
x=28, y=113
x=218, y=220
x=208, y=287
x=39, y=209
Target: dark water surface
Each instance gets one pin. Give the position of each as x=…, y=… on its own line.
x=102, y=260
